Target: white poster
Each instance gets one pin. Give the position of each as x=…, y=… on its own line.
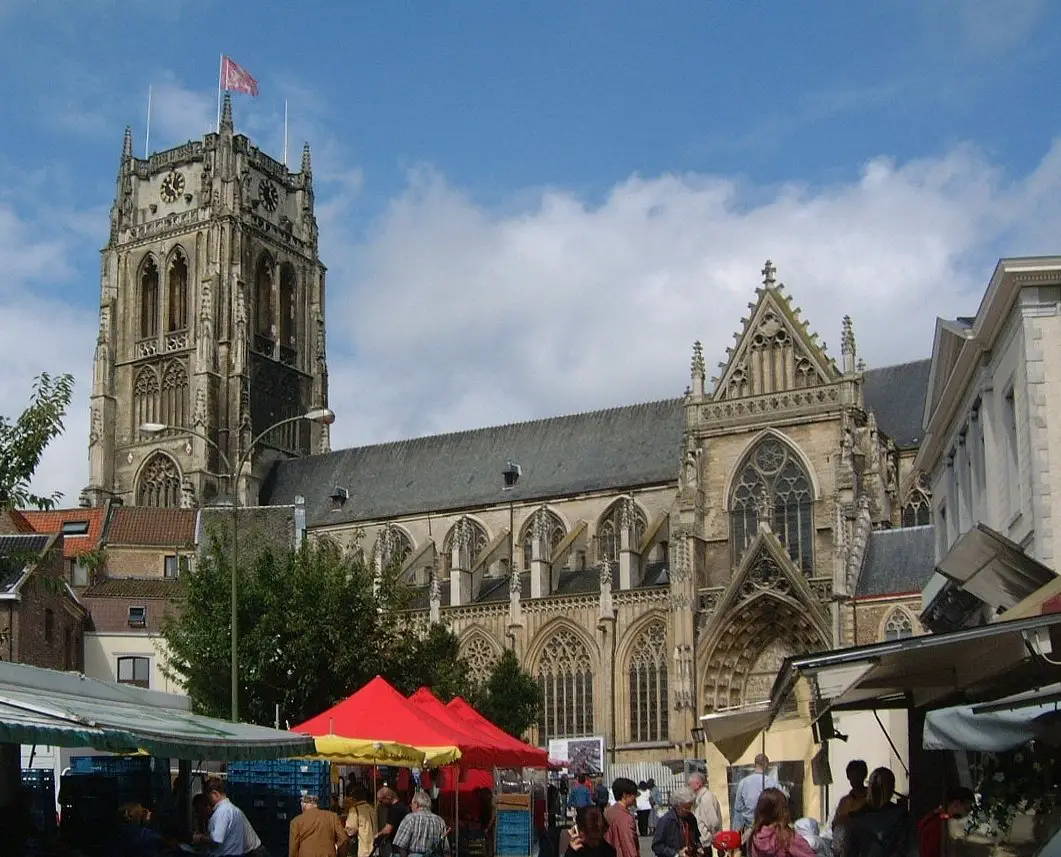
x=581, y=755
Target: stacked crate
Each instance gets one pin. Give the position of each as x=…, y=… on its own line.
x=40, y=783
x=513, y=832
x=270, y=795
x=139, y=779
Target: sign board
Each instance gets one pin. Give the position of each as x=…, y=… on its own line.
x=581, y=755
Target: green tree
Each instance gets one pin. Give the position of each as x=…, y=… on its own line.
x=314, y=626
x=23, y=441
x=510, y=698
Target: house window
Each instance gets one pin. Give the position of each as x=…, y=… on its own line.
x=1009, y=426
x=648, y=685
x=75, y=528
x=176, y=566
x=565, y=676
x=49, y=626
x=135, y=671
x=137, y=617
x=78, y=573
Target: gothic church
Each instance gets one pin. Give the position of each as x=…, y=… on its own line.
x=651, y=563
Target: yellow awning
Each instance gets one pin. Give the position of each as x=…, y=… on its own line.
x=363, y=751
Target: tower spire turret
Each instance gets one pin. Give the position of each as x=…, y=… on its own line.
x=699, y=371
x=307, y=164
x=127, y=144
x=226, y=113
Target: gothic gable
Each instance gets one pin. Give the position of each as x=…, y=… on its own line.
x=767, y=613
x=775, y=351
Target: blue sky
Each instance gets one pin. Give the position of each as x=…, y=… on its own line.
x=549, y=201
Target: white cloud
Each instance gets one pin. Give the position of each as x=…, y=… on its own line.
x=445, y=314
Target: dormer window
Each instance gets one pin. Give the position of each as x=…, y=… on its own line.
x=75, y=528
x=137, y=617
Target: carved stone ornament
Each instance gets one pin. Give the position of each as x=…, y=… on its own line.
x=95, y=433
x=514, y=584
x=199, y=414
x=765, y=576
x=606, y=574
x=436, y=587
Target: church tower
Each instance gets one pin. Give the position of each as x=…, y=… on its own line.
x=211, y=320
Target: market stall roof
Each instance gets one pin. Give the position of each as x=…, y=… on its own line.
x=378, y=714
x=39, y=706
x=929, y=671
x=533, y=757
x=478, y=749
x=998, y=726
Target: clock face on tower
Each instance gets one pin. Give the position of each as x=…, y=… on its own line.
x=172, y=187
x=268, y=194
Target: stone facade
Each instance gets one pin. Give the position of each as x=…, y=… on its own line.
x=211, y=323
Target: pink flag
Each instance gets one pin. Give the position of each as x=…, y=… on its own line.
x=235, y=78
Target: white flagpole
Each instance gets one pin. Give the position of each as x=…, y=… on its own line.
x=220, y=72
x=285, y=132
x=147, y=134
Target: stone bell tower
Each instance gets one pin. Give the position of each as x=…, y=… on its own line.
x=211, y=320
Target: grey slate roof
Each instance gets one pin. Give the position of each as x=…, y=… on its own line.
x=898, y=561
x=896, y=394
x=609, y=450
x=601, y=450
x=14, y=551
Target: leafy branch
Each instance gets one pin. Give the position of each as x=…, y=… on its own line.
x=23, y=441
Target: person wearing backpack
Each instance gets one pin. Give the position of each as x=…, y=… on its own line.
x=883, y=828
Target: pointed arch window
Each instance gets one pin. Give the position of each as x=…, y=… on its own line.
x=149, y=298
x=610, y=529
x=478, y=544
x=898, y=625
x=648, y=685
x=393, y=546
x=557, y=531
x=145, y=397
x=174, y=396
x=177, y=292
x=480, y=656
x=288, y=326
x=263, y=304
x=565, y=676
x=773, y=480
x=917, y=508
x=159, y=484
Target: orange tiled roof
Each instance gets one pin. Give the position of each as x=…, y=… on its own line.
x=131, y=525
x=52, y=522
x=18, y=521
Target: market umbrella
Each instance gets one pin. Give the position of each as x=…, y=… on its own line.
x=478, y=750
x=529, y=756
x=376, y=725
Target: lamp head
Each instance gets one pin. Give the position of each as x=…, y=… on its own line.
x=323, y=416
x=152, y=428
x=511, y=473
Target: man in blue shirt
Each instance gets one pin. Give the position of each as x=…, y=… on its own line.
x=225, y=829
x=580, y=795
x=748, y=791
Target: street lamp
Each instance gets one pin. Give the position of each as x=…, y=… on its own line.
x=511, y=473
x=321, y=416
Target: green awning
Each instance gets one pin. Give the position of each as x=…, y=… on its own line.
x=39, y=706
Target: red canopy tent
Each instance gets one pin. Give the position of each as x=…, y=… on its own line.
x=379, y=713
x=532, y=757
x=477, y=750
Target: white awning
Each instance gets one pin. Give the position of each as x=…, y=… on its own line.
x=733, y=732
x=39, y=706
x=996, y=727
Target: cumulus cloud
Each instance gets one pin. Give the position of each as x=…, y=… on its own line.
x=447, y=314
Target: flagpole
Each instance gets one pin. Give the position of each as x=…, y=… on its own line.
x=147, y=134
x=285, y=132
x=220, y=73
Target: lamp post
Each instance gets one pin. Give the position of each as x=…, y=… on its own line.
x=511, y=473
x=323, y=416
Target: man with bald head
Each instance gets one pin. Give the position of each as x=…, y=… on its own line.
x=706, y=809
x=749, y=790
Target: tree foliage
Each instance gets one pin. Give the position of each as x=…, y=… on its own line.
x=314, y=626
x=23, y=441
x=510, y=698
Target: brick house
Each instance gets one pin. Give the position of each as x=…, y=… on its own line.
x=41, y=618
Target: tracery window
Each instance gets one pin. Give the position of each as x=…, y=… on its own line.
x=556, y=535
x=478, y=543
x=393, y=546
x=287, y=308
x=174, y=397
x=648, y=685
x=898, y=625
x=917, y=508
x=149, y=299
x=263, y=299
x=160, y=483
x=481, y=657
x=565, y=675
x=773, y=479
x=609, y=530
x=177, y=292
x=145, y=398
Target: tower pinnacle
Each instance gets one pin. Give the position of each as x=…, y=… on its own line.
x=226, y=113
x=127, y=144
x=307, y=165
